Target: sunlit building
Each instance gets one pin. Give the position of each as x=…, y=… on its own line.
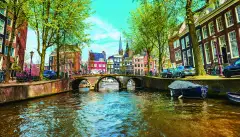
x=219, y=23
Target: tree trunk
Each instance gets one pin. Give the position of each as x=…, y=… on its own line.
x=192, y=30
x=8, y=63
x=58, y=62
x=148, y=62
x=42, y=63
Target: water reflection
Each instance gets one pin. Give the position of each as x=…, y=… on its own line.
x=123, y=113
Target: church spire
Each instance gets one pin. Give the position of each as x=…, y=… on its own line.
x=120, y=50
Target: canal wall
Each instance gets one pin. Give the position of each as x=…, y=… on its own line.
x=215, y=86
x=23, y=91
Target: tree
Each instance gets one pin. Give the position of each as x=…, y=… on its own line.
x=151, y=24
x=47, y=19
x=73, y=34
x=17, y=10
x=140, y=27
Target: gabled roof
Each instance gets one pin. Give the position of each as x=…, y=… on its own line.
x=96, y=56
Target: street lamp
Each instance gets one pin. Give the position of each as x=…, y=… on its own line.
x=31, y=54
x=218, y=56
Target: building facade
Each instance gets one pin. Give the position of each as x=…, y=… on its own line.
x=110, y=63
x=3, y=25
x=138, y=64
x=97, y=62
x=118, y=64
x=18, y=48
x=218, y=31
x=70, y=59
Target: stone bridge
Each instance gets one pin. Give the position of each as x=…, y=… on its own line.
x=94, y=80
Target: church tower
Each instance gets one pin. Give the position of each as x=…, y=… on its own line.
x=120, y=50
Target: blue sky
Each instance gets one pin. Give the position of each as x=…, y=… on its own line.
x=108, y=22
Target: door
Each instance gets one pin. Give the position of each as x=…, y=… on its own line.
x=224, y=55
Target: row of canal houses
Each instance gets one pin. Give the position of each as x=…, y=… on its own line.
x=19, y=43
x=219, y=23
x=121, y=63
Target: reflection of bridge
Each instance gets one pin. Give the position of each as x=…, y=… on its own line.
x=94, y=80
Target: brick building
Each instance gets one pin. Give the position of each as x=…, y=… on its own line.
x=69, y=57
x=19, y=42
x=220, y=23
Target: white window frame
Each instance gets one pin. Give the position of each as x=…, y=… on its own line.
x=206, y=57
x=178, y=55
x=2, y=26
x=226, y=19
x=230, y=45
x=213, y=47
x=198, y=32
x=183, y=43
x=210, y=27
x=204, y=29
x=238, y=19
x=187, y=41
x=217, y=22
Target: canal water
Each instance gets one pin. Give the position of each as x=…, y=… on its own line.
x=119, y=114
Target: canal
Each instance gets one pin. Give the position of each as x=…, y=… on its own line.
x=119, y=114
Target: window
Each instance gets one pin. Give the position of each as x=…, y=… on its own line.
x=207, y=53
x=12, y=52
x=187, y=41
x=214, y=51
x=178, y=55
x=219, y=24
x=204, y=30
x=2, y=23
x=238, y=13
x=199, y=37
x=211, y=28
x=184, y=58
x=229, y=19
x=2, y=11
x=183, y=44
x=233, y=44
x=6, y=50
x=176, y=44
x=222, y=41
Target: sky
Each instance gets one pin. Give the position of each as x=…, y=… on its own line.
x=109, y=20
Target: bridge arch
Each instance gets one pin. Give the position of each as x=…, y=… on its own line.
x=76, y=83
x=113, y=77
x=138, y=82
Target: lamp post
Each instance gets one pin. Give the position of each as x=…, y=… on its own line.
x=218, y=56
x=31, y=54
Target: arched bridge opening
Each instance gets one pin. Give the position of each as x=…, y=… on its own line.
x=138, y=83
x=76, y=83
x=97, y=86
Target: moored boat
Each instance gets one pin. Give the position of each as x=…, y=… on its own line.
x=188, y=89
x=234, y=97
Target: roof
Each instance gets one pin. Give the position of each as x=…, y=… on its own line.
x=96, y=56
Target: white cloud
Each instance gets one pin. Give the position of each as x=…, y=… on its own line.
x=102, y=29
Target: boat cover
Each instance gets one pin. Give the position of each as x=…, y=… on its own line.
x=178, y=84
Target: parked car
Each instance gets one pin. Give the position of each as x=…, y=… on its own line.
x=49, y=74
x=188, y=71
x=233, y=69
x=169, y=73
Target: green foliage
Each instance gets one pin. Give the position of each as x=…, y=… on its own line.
x=58, y=22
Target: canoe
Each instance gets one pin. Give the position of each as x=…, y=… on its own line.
x=234, y=97
x=188, y=89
